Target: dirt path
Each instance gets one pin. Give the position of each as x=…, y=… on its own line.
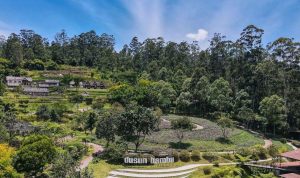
x=85, y=162
x=268, y=143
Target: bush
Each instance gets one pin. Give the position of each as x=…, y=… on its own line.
x=34, y=65
x=114, y=153
x=283, y=140
x=228, y=156
x=260, y=152
x=209, y=157
x=76, y=150
x=175, y=154
x=52, y=66
x=216, y=163
x=207, y=170
x=185, y=156
x=195, y=155
x=273, y=151
x=88, y=101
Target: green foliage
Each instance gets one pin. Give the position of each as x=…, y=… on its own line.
x=175, y=154
x=207, y=170
x=225, y=123
x=195, y=156
x=34, y=65
x=36, y=151
x=185, y=156
x=5, y=162
x=273, y=108
x=106, y=128
x=209, y=156
x=180, y=126
x=76, y=150
x=135, y=124
x=63, y=166
x=114, y=153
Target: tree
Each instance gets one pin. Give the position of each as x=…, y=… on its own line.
x=220, y=95
x=43, y=112
x=106, y=128
x=13, y=50
x=36, y=151
x=180, y=126
x=225, y=123
x=184, y=101
x=63, y=166
x=76, y=99
x=273, y=108
x=5, y=162
x=90, y=121
x=135, y=124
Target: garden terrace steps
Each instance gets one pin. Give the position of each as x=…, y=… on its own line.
x=149, y=175
x=178, y=169
x=183, y=171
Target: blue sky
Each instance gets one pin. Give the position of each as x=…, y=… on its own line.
x=175, y=20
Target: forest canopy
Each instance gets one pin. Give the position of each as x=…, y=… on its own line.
x=241, y=78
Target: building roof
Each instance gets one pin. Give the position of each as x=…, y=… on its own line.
x=289, y=164
x=18, y=78
x=290, y=175
x=295, y=154
x=43, y=85
x=35, y=90
x=51, y=81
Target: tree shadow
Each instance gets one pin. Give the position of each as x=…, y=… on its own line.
x=224, y=140
x=178, y=145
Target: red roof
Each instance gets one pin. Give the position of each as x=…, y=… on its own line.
x=288, y=164
x=290, y=175
x=295, y=154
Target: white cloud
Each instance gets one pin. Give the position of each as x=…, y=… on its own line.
x=199, y=36
x=147, y=17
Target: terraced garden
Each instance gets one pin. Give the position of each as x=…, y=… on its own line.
x=204, y=139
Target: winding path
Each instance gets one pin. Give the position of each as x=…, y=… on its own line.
x=85, y=162
x=268, y=143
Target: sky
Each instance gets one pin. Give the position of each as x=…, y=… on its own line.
x=174, y=20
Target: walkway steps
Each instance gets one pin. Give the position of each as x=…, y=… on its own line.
x=136, y=175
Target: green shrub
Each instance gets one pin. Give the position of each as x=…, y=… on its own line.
x=283, y=140
x=114, y=153
x=228, y=156
x=207, y=170
x=260, y=152
x=175, y=154
x=88, y=101
x=273, y=151
x=35, y=64
x=52, y=66
x=185, y=156
x=195, y=155
x=209, y=156
x=216, y=163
